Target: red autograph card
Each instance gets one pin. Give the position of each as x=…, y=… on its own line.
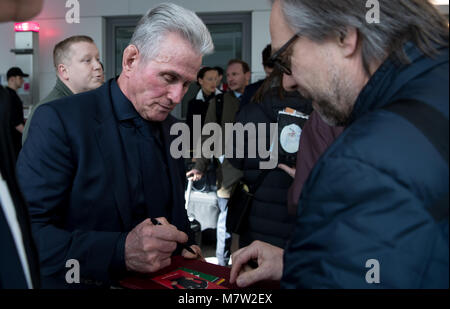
x=179, y=279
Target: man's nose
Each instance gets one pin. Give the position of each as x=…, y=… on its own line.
x=289, y=83
x=176, y=93
x=97, y=65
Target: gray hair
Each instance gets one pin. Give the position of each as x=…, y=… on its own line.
x=400, y=21
x=170, y=18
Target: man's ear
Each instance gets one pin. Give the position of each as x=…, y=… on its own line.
x=248, y=76
x=63, y=71
x=200, y=82
x=130, y=59
x=348, y=42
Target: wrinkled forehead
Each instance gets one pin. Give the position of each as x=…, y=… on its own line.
x=176, y=54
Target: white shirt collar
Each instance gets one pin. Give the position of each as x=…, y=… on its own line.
x=202, y=98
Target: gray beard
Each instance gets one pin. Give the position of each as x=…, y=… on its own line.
x=336, y=106
x=330, y=114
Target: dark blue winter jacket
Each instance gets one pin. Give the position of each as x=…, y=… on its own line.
x=368, y=196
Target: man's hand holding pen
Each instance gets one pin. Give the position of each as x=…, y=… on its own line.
x=192, y=252
x=196, y=255
x=148, y=247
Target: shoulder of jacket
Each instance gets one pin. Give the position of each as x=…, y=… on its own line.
x=228, y=95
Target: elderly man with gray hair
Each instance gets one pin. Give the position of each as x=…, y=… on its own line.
x=96, y=168
x=374, y=210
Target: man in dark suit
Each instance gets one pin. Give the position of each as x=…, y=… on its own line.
x=376, y=200
x=19, y=265
x=96, y=166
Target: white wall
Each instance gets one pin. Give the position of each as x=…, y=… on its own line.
x=7, y=59
x=260, y=38
x=54, y=28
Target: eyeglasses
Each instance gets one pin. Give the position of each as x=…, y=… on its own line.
x=278, y=62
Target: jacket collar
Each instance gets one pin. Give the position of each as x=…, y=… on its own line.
x=62, y=89
x=201, y=97
x=122, y=106
x=386, y=84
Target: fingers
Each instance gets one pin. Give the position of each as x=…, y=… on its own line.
x=240, y=258
x=146, y=255
x=160, y=245
x=194, y=174
x=148, y=247
x=165, y=231
x=250, y=276
x=198, y=253
x=245, y=269
x=269, y=259
x=187, y=255
x=189, y=174
x=289, y=170
x=162, y=220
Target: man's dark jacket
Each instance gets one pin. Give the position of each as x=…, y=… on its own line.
x=72, y=170
x=59, y=91
x=368, y=197
x=12, y=275
x=249, y=92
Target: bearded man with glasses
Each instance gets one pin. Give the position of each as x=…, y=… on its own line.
x=377, y=199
